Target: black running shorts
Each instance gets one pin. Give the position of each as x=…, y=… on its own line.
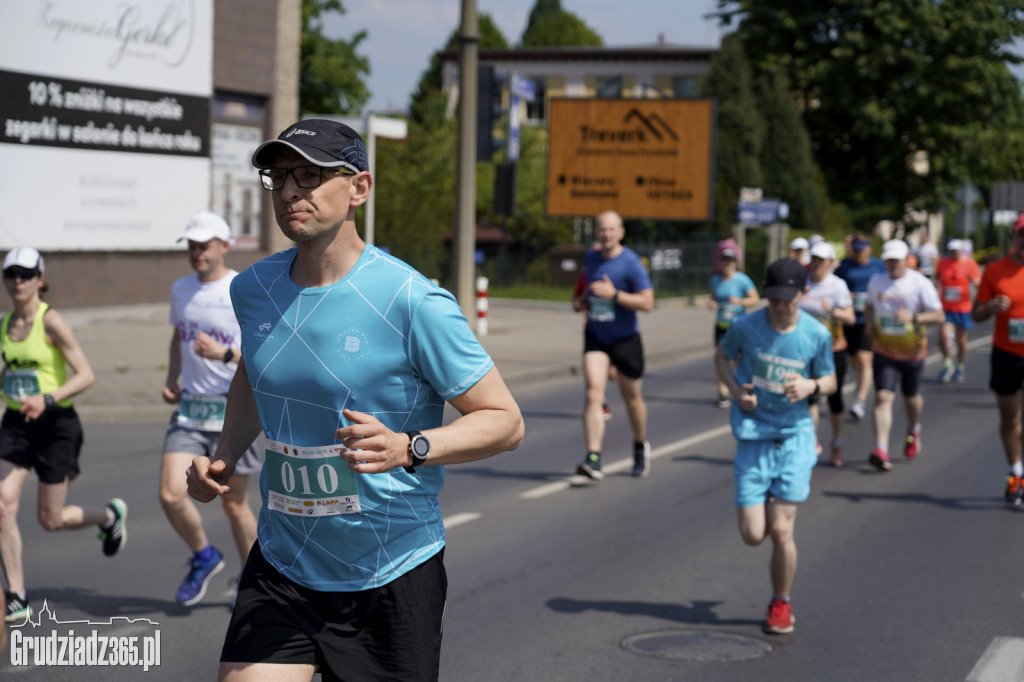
x=888, y=372
x=50, y=444
x=856, y=338
x=1007, y=375
x=392, y=632
x=626, y=355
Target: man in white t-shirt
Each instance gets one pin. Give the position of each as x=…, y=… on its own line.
x=828, y=299
x=204, y=352
x=900, y=302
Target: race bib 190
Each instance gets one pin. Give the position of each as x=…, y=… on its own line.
x=309, y=481
x=771, y=372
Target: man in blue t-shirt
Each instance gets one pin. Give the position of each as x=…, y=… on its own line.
x=856, y=270
x=617, y=287
x=348, y=357
x=784, y=357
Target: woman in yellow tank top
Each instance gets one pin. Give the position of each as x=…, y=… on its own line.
x=40, y=429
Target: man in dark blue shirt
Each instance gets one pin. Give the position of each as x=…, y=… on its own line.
x=617, y=287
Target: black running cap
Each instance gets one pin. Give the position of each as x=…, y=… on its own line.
x=785, y=279
x=326, y=143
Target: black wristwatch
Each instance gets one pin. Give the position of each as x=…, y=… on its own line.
x=48, y=401
x=229, y=355
x=419, y=448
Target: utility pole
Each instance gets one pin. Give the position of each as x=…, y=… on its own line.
x=464, y=246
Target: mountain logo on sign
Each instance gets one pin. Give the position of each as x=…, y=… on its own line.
x=640, y=128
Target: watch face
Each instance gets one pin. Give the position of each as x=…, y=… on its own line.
x=420, y=447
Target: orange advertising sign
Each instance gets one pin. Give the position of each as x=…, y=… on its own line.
x=643, y=158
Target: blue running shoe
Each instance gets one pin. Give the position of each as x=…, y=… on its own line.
x=199, y=575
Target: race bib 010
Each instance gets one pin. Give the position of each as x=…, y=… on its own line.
x=309, y=481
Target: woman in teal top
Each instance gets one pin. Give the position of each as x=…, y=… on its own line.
x=40, y=429
x=731, y=292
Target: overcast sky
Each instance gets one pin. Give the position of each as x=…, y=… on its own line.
x=402, y=34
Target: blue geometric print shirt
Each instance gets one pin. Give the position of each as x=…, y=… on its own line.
x=385, y=341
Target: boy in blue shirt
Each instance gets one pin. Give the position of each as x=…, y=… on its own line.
x=784, y=356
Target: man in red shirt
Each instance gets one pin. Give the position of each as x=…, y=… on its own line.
x=1001, y=293
x=956, y=273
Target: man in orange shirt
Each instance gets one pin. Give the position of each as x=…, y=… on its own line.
x=1001, y=293
x=956, y=273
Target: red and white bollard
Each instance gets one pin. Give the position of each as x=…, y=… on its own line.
x=481, y=306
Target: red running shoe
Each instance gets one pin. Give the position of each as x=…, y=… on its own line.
x=780, y=618
x=836, y=458
x=1014, y=490
x=912, y=448
x=880, y=459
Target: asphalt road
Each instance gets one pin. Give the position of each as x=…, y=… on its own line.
x=909, y=575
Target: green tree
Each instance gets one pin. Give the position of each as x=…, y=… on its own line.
x=741, y=130
x=428, y=103
x=561, y=29
x=415, y=188
x=880, y=82
x=330, y=70
x=542, y=9
x=786, y=161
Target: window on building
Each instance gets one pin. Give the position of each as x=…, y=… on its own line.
x=535, y=110
x=684, y=86
x=609, y=87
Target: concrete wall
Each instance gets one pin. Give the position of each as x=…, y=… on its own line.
x=83, y=280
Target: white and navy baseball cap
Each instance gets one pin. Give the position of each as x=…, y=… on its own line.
x=24, y=257
x=326, y=143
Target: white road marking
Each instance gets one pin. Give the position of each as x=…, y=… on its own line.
x=459, y=519
x=626, y=463
x=1003, y=661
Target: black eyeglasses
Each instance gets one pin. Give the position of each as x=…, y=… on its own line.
x=306, y=177
x=20, y=273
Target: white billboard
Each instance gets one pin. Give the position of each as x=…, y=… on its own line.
x=104, y=122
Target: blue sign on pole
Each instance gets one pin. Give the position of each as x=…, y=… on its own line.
x=512, y=148
x=522, y=87
x=519, y=89
x=758, y=212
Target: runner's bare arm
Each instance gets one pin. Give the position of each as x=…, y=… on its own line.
x=207, y=478
x=490, y=423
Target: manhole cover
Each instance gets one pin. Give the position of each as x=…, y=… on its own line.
x=693, y=645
